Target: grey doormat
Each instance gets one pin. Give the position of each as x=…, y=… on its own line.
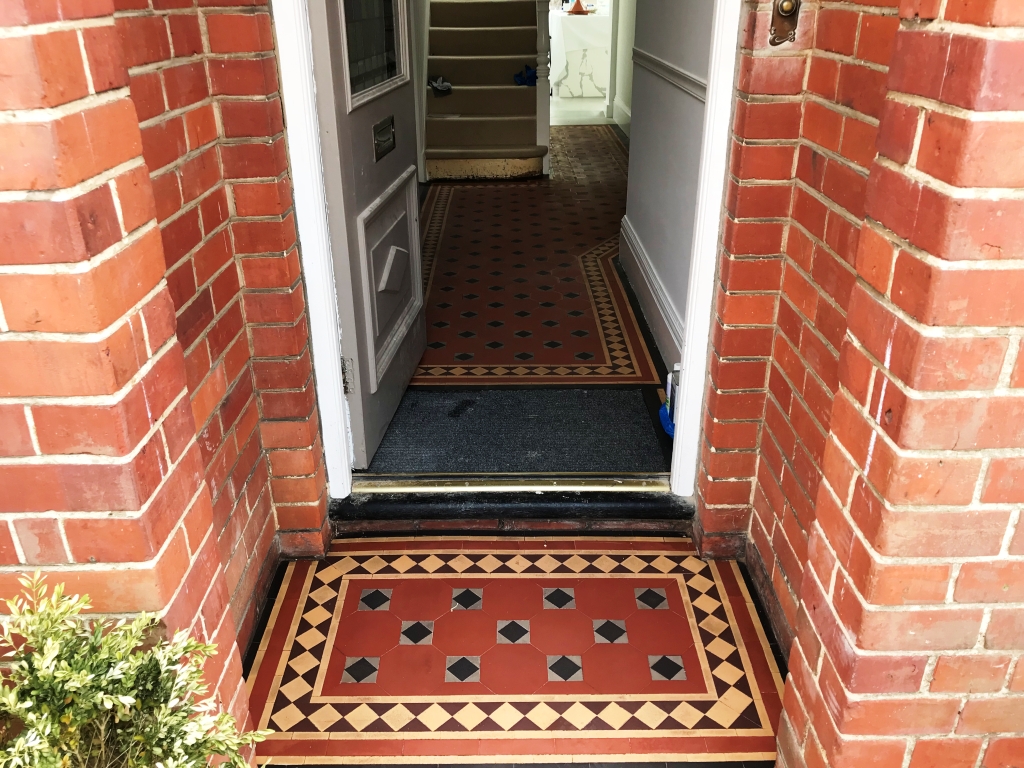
x=521, y=430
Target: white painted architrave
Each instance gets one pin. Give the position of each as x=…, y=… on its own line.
x=298, y=93
x=689, y=404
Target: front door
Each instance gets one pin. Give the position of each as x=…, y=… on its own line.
x=368, y=135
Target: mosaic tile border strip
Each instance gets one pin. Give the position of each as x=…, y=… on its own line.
x=444, y=719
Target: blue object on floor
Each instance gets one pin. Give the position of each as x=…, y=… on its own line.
x=527, y=77
x=666, y=421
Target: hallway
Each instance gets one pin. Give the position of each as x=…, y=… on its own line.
x=437, y=650
x=523, y=291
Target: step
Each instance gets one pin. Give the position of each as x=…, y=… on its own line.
x=479, y=70
x=460, y=13
x=491, y=41
x=464, y=153
x=474, y=100
x=462, y=132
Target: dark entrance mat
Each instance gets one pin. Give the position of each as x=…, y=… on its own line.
x=521, y=430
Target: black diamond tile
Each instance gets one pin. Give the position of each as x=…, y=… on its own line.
x=494, y=345
x=467, y=334
x=462, y=669
x=576, y=313
x=565, y=668
x=559, y=597
x=470, y=296
x=436, y=345
x=416, y=632
x=547, y=304
x=467, y=599
x=441, y=324
x=584, y=356
x=523, y=334
x=374, y=599
x=444, y=305
x=464, y=356
x=522, y=296
x=468, y=314
x=524, y=356
x=609, y=631
x=361, y=670
x=514, y=632
x=572, y=295
x=666, y=668
x=580, y=334
x=650, y=598
x=522, y=313
x=552, y=344
x=495, y=305
x=550, y=323
x=495, y=323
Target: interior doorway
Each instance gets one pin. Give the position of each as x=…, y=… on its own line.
x=580, y=197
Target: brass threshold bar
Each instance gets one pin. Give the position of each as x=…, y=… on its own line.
x=511, y=482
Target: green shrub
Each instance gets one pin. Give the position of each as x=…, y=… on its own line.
x=80, y=693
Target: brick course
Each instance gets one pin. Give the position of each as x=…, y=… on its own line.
x=149, y=338
x=877, y=487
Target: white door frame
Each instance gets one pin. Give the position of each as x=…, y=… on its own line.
x=298, y=94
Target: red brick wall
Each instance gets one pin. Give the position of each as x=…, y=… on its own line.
x=203, y=77
x=159, y=440
x=874, y=313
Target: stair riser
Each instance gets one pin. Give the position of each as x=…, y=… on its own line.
x=491, y=101
x=483, y=42
x=481, y=133
x=484, y=14
x=479, y=71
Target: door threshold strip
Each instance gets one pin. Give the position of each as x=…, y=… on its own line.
x=512, y=482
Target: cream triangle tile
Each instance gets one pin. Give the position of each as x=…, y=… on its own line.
x=403, y=563
x=614, y=715
x=720, y=648
x=303, y=663
x=296, y=688
x=506, y=716
x=542, y=716
x=398, y=717
x=431, y=563
x=736, y=700
x=361, y=716
x=727, y=672
x=325, y=717
x=433, y=717
x=287, y=717
x=650, y=715
x=317, y=615
x=706, y=603
x=634, y=563
x=579, y=715
x=547, y=563
x=576, y=563
x=340, y=568
x=713, y=624
x=663, y=564
x=687, y=714
x=470, y=716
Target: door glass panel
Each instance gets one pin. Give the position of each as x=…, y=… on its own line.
x=372, y=42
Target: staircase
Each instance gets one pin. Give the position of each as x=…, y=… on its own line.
x=487, y=126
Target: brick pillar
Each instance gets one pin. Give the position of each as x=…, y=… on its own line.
x=760, y=187
x=101, y=472
x=911, y=622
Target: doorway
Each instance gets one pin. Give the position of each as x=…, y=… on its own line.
x=647, y=369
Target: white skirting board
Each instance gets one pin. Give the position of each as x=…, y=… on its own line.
x=621, y=114
x=662, y=317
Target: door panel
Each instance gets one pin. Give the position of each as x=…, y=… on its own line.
x=372, y=205
x=392, y=286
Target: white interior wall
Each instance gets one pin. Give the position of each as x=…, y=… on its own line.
x=624, y=64
x=672, y=47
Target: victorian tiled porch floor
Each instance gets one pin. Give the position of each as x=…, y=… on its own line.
x=436, y=650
